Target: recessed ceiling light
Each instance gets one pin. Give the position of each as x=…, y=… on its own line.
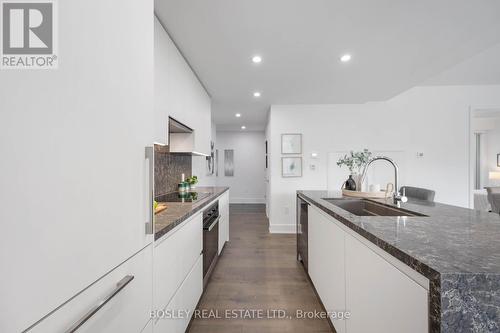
x=257, y=59
x=256, y=94
x=237, y=115
x=345, y=58
x=243, y=127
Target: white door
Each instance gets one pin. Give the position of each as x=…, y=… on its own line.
x=73, y=173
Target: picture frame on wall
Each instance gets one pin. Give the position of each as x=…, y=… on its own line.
x=291, y=143
x=498, y=160
x=291, y=167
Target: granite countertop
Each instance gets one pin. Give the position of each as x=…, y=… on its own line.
x=457, y=249
x=177, y=212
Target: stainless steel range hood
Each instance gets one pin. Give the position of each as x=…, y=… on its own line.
x=181, y=138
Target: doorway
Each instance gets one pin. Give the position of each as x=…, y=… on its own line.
x=484, y=154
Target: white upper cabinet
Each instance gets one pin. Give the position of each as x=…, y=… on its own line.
x=73, y=177
x=161, y=84
x=178, y=92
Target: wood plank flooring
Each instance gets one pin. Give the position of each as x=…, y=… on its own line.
x=257, y=270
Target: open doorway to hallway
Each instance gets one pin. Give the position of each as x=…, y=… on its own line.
x=484, y=155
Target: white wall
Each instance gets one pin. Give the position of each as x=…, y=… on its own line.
x=432, y=120
x=247, y=185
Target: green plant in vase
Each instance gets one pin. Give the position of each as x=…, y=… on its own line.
x=355, y=162
x=192, y=181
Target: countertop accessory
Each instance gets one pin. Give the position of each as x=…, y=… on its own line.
x=192, y=181
x=350, y=184
x=160, y=207
x=368, y=195
x=355, y=162
x=183, y=186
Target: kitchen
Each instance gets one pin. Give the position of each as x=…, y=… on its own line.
x=186, y=167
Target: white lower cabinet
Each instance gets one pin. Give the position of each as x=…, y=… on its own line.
x=174, y=257
x=349, y=275
x=176, y=316
x=224, y=220
x=326, y=263
x=127, y=311
x=379, y=296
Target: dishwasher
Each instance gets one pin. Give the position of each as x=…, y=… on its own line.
x=302, y=216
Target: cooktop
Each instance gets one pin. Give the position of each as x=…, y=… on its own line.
x=181, y=197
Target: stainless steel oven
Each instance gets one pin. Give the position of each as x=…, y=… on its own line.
x=210, y=239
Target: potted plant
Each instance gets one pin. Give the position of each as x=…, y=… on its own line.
x=192, y=181
x=355, y=162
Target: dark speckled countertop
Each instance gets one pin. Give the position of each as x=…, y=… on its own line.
x=457, y=249
x=177, y=212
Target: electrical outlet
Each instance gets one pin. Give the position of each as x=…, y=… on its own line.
x=420, y=154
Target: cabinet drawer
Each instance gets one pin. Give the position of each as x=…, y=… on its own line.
x=127, y=311
x=173, y=258
x=183, y=303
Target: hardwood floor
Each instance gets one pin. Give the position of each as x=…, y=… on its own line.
x=257, y=270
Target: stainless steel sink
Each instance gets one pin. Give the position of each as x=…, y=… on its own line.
x=364, y=207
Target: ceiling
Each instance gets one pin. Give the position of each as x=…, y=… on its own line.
x=395, y=45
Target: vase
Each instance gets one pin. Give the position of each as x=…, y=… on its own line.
x=350, y=184
x=357, y=180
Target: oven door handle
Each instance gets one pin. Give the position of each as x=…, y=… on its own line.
x=212, y=225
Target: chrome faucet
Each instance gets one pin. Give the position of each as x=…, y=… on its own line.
x=397, y=196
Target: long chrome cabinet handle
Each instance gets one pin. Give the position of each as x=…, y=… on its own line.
x=150, y=155
x=119, y=286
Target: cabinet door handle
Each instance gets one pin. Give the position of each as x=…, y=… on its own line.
x=119, y=286
x=150, y=156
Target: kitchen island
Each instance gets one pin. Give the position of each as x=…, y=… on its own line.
x=456, y=249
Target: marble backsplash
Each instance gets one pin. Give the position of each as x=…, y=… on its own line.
x=169, y=168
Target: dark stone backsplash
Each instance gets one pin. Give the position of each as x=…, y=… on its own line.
x=169, y=168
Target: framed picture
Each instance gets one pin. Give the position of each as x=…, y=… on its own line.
x=291, y=167
x=498, y=160
x=229, y=163
x=291, y=143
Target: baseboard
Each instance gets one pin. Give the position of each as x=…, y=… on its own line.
x=282, y=228
x=247, y=200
